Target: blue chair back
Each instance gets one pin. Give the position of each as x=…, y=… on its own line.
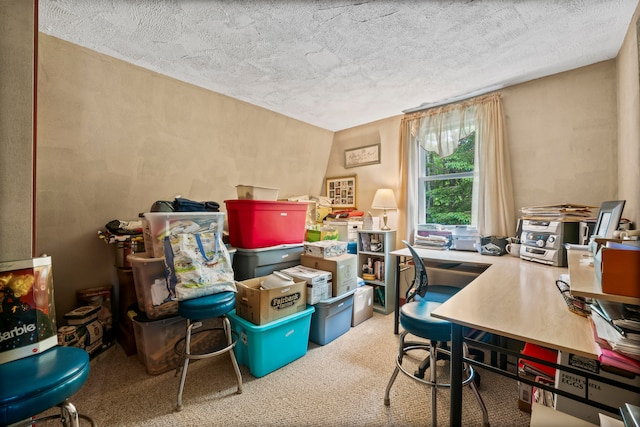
x=420, y=281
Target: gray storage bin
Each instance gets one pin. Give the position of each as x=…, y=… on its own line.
x=250, y=263
x=332, y=318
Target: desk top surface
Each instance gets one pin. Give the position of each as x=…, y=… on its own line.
x=516, y=299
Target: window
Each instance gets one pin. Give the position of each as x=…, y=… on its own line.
x=438, y=189
x=445, y=185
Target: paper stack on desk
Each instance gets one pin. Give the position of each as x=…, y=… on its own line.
x=563, y=212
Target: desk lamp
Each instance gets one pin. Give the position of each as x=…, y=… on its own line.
x=384, y=199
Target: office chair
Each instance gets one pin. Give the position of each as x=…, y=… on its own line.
x=195, y=310
x=416, y=319
x=36, y=383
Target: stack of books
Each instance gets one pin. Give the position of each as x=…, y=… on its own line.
x=563, y=212
x=616, y=329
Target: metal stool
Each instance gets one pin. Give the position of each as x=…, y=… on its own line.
x=415, y=318
x=36, y=383
x=195, y=310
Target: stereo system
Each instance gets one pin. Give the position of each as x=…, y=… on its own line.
x=543, y=241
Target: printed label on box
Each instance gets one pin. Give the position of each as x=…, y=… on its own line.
x=27, y=318
x=286, y=301
x=597, y=391
x=261, y=306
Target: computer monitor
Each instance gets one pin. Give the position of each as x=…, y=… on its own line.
x=609, y=218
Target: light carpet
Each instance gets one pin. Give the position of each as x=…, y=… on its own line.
x=338, y=384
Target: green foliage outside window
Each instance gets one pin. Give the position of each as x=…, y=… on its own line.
x=448, y=200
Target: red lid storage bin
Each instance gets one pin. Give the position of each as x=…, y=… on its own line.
x=260, y=224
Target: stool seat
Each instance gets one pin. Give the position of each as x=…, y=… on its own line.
x=207, y=307
x=416, y=319
x=33, y=384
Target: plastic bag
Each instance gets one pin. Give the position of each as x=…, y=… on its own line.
x=198, y=264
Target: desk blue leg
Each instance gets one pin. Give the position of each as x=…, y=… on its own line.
x=456, y=375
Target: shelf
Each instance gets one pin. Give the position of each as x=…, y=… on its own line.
x=380, y=254
x=381, y=263
x=583, y=279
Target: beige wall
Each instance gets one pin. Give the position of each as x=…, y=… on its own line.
x=628, y=77
x=113, y=138
x=16, y=128
x=561, y=133
x=370, y=177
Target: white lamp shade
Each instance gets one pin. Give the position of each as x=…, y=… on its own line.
x=384, y=199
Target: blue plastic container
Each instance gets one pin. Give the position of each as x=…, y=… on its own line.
x=352, y=248
x=265, y=348
x=332, y=318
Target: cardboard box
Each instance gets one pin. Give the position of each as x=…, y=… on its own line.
x=524, y=393
x=362, y=304
x=87, y=323
x=344, y=271
x=261, y=306
x=310, y=275
x=82, y=315
x=325, y=248
x=28, y=317
x=100, y=296
x=318, y=282
x=618, y=270
x=597, y=391
x=251, y=192
x=318, y=292
x=347, y=230
x=321, y=235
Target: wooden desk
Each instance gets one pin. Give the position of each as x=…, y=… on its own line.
x=512, y=298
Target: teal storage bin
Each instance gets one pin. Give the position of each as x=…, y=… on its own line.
x=332, y=318
x=266, y=348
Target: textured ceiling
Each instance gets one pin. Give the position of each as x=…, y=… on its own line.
x=339, y=64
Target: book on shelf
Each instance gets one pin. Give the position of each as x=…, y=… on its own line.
x=378, y=270
x=380, y=295
x=365, y=242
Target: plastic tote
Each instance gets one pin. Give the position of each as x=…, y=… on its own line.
x=266, y=348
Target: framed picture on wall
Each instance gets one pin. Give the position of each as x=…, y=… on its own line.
x=342, y=191
x=362, y=156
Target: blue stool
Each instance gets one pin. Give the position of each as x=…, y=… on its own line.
x=416, y=320
x=195, y=310
x=33, y=384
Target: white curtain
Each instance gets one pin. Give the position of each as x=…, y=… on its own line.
x=440, y=129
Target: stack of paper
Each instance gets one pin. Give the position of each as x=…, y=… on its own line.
x=563, y=212
x=432, y=239
x=620, y=346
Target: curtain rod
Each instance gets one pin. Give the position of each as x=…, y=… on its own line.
x=453, y=100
